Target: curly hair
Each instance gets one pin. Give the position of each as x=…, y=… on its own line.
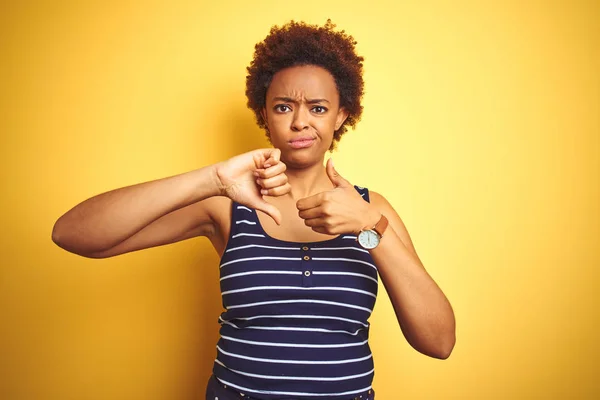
x=297, y=43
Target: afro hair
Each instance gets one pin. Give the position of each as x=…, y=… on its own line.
x=298, y=43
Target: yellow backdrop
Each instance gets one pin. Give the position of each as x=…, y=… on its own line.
x=481, y=127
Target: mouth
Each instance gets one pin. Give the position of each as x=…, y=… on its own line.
x=302, y=142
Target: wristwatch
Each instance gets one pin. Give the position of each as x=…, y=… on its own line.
x=370, y=238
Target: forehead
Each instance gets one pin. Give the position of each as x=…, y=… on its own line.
x=308, y=81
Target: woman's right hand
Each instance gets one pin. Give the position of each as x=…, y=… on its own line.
x=248, y=177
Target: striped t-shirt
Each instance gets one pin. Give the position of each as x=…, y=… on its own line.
x=295, y=325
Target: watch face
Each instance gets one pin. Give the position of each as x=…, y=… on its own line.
x=368, y=239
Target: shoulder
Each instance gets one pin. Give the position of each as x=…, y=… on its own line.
x=373, y=197
x=377, y=199
x=386, y=208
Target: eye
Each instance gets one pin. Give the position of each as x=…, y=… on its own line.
x=320, y=109
x=282, y=108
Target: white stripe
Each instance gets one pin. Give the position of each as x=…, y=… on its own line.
x=292, y=316
x=333, y=303
x=341, y=248
x=245, y=389
x=243, y=208
x=349, y=237
x=298, y=378
x=248, y=234
x=260, y=258
x=261, y=272
x=244, y=221
x=342, y=289
x=344, y=259
x=363, y=194
x=305, y=345
x=344, y=273
x=294, y=329
x=264, y=247
x=276, y=361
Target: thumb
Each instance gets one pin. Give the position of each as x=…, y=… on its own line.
x=333, y=175
x=270, y=210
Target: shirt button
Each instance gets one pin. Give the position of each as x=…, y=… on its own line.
x=306, y=273
x=306, y=258
x=305, y=248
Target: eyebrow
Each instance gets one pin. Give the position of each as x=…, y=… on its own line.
x=290, y=100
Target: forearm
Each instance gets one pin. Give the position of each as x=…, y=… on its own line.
x=107, y=219
x=423, y=311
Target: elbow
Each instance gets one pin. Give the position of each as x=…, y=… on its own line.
x=445, y=351
x=61, y=240
x=56, y=233
x=445, y=346
x=440, y=348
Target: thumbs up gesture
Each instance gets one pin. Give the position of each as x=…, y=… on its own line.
x=337, y=211
x=248, y=177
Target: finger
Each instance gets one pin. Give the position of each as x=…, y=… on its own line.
x=322, y=230
x=271, y=171
x=321, y=225
x=311, y=213
x=309, y=202
x=278, y=180
x=259, y=158
x=275, y=155
x=318, y=225
x=277, y=191
x=272, y=158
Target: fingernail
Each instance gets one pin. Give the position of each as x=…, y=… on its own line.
x=264, y=191
x=267, y=165
x=255, y=173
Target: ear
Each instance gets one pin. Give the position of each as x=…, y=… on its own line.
x=340, y=118
x=263, y=113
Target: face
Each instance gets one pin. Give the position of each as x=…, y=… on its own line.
x=302, y=111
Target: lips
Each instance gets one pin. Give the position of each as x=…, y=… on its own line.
x=302, y=138
x=302, y=142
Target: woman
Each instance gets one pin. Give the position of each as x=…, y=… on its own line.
x=301, y=247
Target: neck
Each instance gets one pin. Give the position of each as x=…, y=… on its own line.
x=308, y=181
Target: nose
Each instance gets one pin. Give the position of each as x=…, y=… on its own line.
x=300, y=121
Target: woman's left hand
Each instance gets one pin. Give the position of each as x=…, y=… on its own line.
x=337, y=211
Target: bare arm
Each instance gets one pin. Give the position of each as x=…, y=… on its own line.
x=170, y=209
x=108, y=219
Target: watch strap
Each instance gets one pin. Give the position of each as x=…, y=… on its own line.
x=381, y=226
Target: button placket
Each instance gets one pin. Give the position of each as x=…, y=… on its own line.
x=306, y=267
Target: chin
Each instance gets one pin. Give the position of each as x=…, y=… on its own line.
x=302, y=159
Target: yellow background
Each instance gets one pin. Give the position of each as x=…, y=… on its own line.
x=481, y=127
